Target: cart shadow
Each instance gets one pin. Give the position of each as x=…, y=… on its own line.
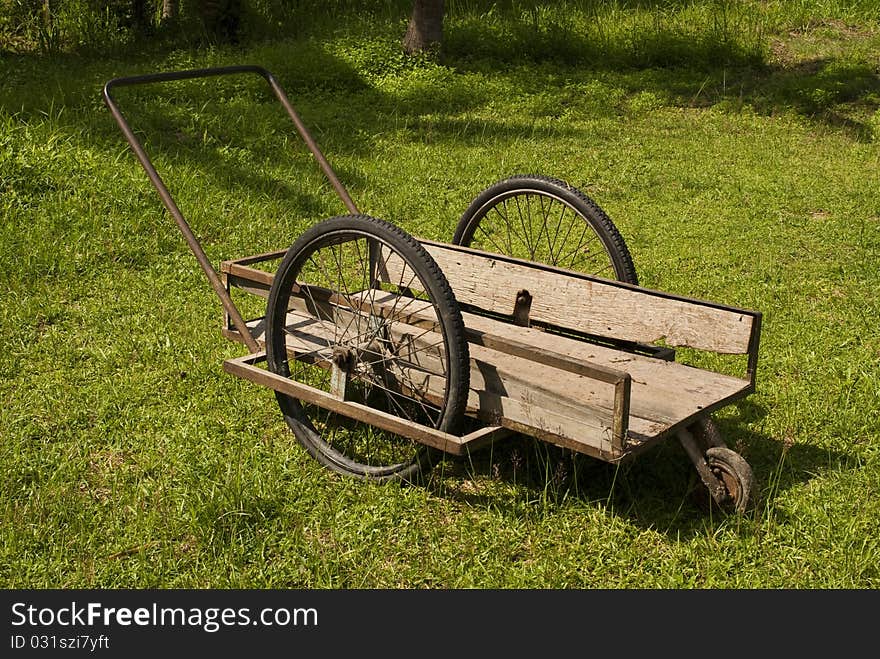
x=658, y=490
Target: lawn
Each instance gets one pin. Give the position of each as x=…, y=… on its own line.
x=735, y=147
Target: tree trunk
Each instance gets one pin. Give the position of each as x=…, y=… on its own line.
x=139, y=18
x=221, y=18
x=47, y=14
x=425, y=29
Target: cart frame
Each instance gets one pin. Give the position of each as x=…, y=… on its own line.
x=504, y=319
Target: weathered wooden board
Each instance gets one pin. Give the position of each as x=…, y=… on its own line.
x=500, y=392
x=557, y=388
x=577, y=302
x=591, y=305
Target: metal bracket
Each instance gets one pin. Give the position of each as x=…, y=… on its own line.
x=716, y=487
x=522, y=307
x=341, y=364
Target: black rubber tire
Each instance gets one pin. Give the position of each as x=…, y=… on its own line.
x=353, y=228
x=736, y=474
x=515, y=192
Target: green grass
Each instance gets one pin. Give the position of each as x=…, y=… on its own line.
x=745, y=173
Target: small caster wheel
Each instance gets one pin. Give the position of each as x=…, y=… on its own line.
x=736, y=475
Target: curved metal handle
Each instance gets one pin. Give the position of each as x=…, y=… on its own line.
x=220, y=71
x=165, y=194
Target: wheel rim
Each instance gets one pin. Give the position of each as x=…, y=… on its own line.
x=732, y=486
x=735, y=475
x=542, y=227
x=358, y=336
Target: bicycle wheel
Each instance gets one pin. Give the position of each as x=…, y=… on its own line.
x=360, y=310
x=546, y=220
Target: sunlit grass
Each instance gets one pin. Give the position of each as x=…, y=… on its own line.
x=130, y=459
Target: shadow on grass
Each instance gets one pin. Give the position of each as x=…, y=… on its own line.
x=530, y=60
x=344, y=111
x=828, y=92
x=658, y=490
x=550, y=83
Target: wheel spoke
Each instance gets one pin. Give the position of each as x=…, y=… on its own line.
x=510, y=232
x=554, y=258
x=544, y=215
x=580, y=245
x=555, y=223
x=358, y=301
x=492, y=240
x=522, y=223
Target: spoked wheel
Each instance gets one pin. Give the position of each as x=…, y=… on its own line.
x=360, y=310
x=737, y=477
x=542, y=219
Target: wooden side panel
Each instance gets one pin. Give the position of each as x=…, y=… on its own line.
x=593, y=306
x=568, y=409
x=580, y=303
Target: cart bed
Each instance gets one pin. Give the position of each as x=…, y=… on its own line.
x=576, y=360
x=605, y=401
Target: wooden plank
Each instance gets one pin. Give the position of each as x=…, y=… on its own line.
x=249, y=260
x=565, y=426
x=591, y=305
x=244, y=367
x=247, y=274
x=484, y=436
x=573, y=300
x=248, y=284
x=662, y=391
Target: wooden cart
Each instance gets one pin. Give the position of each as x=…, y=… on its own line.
x=385, y=351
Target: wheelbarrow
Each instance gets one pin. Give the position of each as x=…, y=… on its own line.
x=386, y=352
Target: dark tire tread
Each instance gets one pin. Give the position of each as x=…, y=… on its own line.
x=453, y=330
x=730, y=465
x=582, y=204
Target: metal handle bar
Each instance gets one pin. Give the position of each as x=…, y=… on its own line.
x=164, y=193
